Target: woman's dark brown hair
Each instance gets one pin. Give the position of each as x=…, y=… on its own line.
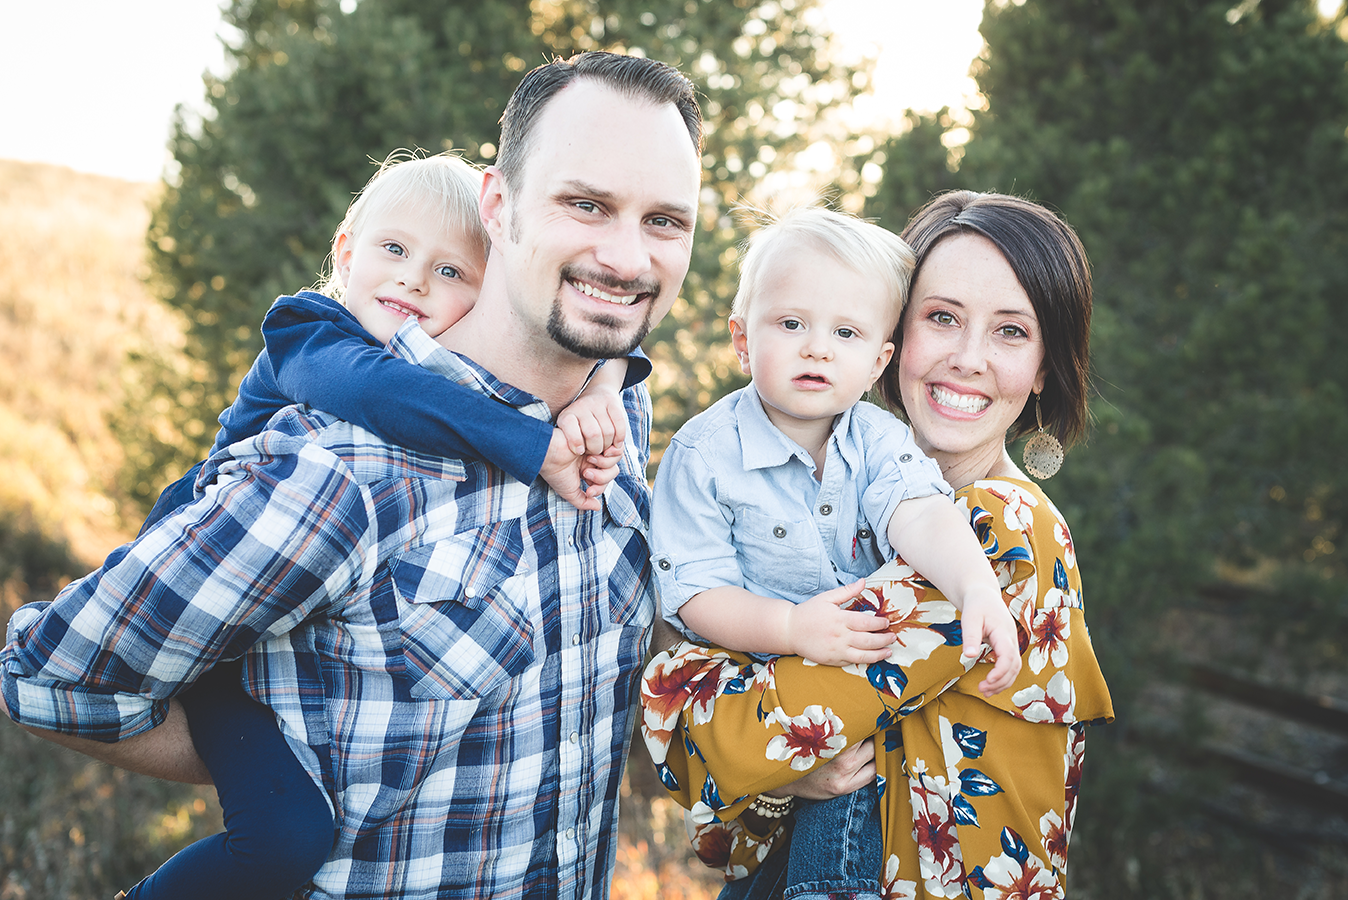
x=1052, y=268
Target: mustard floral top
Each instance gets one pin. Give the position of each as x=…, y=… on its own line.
x=977, y=795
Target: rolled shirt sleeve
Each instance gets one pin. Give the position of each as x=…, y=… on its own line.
x=686, y=514
x=895, y=468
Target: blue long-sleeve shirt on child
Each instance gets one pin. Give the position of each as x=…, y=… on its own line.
x=317, y=353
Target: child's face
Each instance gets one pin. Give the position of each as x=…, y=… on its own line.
x=403, y=264
x=814, y=339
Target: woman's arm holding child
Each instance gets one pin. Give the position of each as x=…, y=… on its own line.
x=931, y=535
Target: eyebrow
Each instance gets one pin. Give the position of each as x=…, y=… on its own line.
x=576, y=185
x=1019, y=311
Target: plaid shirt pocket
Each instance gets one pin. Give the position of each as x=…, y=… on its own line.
x=465, y=626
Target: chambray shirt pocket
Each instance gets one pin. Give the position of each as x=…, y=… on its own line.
x=777, y=555
x=462, y=613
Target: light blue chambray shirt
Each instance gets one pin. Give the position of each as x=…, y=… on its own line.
x=736, y=503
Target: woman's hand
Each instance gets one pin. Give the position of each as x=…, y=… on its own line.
x=850, y=770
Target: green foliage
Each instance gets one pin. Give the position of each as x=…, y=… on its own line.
x=78, y=829
x=30, y=558
x=316, y=94
x=1199, y=149
x=1200, y=152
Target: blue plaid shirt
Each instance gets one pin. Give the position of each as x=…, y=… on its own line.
x=452, y=654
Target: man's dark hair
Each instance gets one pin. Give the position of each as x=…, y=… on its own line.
x=634, y=76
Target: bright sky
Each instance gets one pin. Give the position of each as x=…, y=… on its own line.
x=92, y=84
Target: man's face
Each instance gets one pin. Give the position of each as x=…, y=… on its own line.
x=596, y=236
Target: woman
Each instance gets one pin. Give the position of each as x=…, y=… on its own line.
x=977, y=794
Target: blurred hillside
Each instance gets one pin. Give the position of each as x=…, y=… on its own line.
x=73, y=305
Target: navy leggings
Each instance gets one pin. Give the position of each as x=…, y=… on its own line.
x=278, y=829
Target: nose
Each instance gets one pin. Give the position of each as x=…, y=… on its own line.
x=623, y=251
x=970, y=353
x=414, y=277
x=817, y=345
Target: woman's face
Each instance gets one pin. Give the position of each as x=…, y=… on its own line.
x=972, y=353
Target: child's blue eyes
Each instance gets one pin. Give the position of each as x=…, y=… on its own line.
x=796, y=325
x=444, y=271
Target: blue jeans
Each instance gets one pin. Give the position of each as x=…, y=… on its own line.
x=278, y=828
x=835, y=850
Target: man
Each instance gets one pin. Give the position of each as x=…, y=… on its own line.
x=451, y=654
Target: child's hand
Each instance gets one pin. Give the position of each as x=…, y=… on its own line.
x=985, y=619
x=562, y=469
x=599, y=470
x=594, y=422
x=586, y=445
x=821, y=631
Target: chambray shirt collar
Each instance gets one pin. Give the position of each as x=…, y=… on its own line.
x=764, y=446
x=413, y=344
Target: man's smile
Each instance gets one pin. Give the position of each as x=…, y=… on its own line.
x=590, y=290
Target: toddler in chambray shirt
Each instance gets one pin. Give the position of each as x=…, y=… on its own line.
x=771, y=507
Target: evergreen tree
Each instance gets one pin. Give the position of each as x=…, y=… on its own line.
x=315, y=94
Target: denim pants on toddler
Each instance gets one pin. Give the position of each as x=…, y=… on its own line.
x=835, y=852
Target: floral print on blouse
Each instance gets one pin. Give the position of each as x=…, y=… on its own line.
x=977, y=795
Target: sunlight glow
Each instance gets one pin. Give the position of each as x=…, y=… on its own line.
x=922, y=51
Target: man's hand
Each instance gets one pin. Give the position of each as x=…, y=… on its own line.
x=822, y=631
x=985, y=618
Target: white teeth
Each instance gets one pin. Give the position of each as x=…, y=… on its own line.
x=592, y=291
x=405, y=310
x=969, y=403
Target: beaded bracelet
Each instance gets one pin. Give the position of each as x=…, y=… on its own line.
x=771, y=807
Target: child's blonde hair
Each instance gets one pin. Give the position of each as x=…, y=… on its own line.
x=866, y=248
x=445, y=184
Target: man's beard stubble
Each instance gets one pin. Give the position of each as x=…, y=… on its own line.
x=608, y=344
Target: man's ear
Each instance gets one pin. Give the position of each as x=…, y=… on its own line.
x=739, y=339
x=491, y=203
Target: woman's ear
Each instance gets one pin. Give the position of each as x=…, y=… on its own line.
x=739, y=339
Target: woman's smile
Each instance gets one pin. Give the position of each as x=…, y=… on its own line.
x=951, y=400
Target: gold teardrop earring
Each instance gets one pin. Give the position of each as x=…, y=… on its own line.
x=1043, y=453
